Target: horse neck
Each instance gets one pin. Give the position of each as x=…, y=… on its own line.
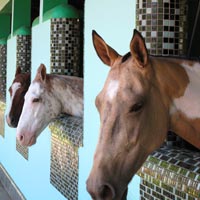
x=69, y=93
x=178, y=81
x=170, y=78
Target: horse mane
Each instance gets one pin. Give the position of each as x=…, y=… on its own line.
x=181, y=57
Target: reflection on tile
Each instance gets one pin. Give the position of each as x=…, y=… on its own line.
x=171, y=173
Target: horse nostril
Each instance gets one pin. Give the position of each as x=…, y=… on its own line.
x=12, y=120
x=21, y=138
x=107, y=192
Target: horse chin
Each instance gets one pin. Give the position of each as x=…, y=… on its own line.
x=32, y=141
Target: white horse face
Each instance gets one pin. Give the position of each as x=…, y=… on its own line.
x=40, y=107
x=34, y=115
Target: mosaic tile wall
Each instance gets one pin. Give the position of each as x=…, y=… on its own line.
x=163, y=24
x=3, y=56
x=171, y=173
x=2, y=118
x=66, y=47
x=24, y=52
x=67, y=137
x=23, y=61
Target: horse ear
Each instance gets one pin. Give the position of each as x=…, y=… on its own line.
x=107, y=54
x=41, y=73
x=18, y=71
x=138, y=49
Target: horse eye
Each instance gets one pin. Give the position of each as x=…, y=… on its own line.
x=137, y=107
x=35, y=100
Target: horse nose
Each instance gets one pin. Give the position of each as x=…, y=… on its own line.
x=20, y=138
x=104, y=191
x=11, y=121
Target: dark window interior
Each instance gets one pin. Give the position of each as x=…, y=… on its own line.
x=194, y=28
x=35, y=9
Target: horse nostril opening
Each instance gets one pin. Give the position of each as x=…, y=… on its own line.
x=107, y=192
x=13, y=121
x=21, y=138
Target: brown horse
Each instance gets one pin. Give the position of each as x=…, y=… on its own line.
x=17, y=92
x=143, y=97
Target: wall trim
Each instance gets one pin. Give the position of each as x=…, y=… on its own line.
x=9, y=185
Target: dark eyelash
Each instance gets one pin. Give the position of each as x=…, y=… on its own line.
x=35, y=100
x=137, y=107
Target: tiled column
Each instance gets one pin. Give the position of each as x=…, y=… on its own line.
x=66, y=43
x=3, y=54
x=24, y=52
x=67, y=133
x=163, y=24
x=3, y=50
x=66, y=138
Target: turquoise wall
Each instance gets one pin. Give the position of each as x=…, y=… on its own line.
x=114, y=20
x=32, y=176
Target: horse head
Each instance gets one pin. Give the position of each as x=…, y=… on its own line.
x=39, y=108
x=17, y=92
x=133, y=119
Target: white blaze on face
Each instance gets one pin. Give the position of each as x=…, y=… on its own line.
x=189, y=103
x=112, y=89
x=28, y=121
x=14, y=88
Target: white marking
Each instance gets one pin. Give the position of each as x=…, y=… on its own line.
x=112, y=89
x=14, y=87
x=189, y=103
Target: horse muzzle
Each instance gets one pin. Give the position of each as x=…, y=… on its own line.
x=102, y=190
x=11, y=121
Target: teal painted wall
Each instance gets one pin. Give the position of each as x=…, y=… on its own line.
x=32, y=176
x=114, y=20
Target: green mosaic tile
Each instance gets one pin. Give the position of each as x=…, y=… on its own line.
x=164, y=164
x=167, y=187
x=180, y=194
x=193, y=192
x=198, y=179
x=191, y=198
x=157, y=182
x=174, y=168
x=170, y=177
x=153, y=159
x=183, y=171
